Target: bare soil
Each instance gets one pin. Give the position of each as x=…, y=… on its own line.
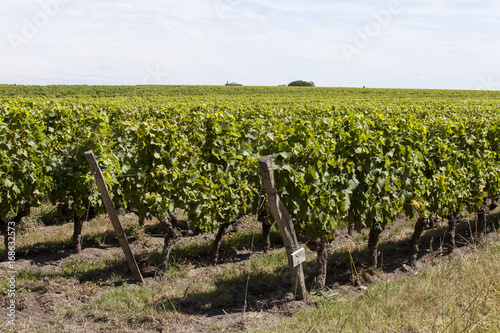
x=42, y=302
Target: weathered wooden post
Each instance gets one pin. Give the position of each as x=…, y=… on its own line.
x=295, y=254
x=113, y=216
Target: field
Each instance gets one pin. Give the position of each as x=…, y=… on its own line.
x=63, y=292
x=411, y=174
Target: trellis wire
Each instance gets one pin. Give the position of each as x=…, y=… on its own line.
x=260, y=204
x=88, y=209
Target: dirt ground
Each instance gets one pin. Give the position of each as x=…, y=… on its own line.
x=41, y=301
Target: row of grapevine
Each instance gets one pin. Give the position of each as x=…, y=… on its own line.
x=363, y=162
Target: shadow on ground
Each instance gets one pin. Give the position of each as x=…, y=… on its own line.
x=261, y=290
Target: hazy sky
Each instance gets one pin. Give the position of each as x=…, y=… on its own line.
x=390, y=44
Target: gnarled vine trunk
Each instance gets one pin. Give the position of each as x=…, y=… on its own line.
x=493, y=206
x=171, y=237
x=450, y=234
x=214, y=256
x=266, y=229
x=481, y=222
x=434, y=222
x=494, y=202
x=77, y=233
x=373, y=239
x=351, y=228
x=415, y=240
x=320, y=246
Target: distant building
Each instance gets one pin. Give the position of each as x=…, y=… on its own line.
x=233, y=84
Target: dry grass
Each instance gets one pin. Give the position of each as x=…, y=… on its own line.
x=450, y=294
x=461, y=294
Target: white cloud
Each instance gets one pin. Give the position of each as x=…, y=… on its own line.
x=253, y=41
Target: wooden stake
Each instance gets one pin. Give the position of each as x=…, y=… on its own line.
x=113, y=216
x=285, y=224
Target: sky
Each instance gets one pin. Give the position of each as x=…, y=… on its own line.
x=431, y=44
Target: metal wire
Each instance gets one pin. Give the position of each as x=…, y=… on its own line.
x=260, y=204
x=88, y=209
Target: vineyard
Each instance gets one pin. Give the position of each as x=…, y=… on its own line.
x=345, y=159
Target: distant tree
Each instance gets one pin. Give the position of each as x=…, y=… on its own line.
x=301, y=83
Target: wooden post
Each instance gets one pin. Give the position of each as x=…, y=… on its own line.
x=113, y=216
x=285, y=224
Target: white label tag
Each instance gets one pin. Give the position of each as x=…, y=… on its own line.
x=298, y=257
